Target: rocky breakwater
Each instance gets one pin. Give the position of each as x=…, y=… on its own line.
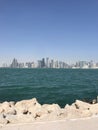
x=27, y=111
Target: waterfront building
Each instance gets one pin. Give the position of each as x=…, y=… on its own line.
x=33, y=65
x=91, y=64
x=39, y=64
x=43, y=63
x=56, y=64
x=21, y=65
x=25, y=65
x=14, y=63
x=4, y=65
x=60, y=64
x=52, y=64
x=96, y=65
x=29, y=64
x=77, y=65
x=67, y=66
x=47, y=62
x=81, y=64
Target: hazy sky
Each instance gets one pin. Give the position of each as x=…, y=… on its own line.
x=61, y=29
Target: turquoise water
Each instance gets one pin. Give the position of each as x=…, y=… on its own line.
x=48, y=85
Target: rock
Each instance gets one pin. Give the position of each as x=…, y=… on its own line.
x=12, y=103
x=54, y=108
x=3, y=120
x=48, y=117
x=12, y=118
x=1, y=110
x=86, y=113
x=72, y=112
x=81, y=105
x=39, y=113
x=47, y=112
x=10, y=111
x=30, y=110
x=78, y=110
x=27, y=106
x=6, y=105
x=7, y=108
x=94, y=109
x=20, y=118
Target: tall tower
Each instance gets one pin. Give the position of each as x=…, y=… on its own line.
x=43, y=63
x=14, y=63
x=47, y=62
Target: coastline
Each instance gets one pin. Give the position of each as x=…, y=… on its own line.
x=28, y=113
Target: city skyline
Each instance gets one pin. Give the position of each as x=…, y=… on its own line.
x=63, y=30
x=51, y=63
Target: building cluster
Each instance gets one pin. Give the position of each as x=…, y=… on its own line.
x=48, y=63
x=43, y=63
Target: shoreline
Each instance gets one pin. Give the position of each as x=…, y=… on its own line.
x=31, y=112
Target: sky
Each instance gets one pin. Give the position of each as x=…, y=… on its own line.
x=60, y=29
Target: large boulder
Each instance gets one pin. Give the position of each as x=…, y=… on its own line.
x=4, y=106
x=81, y=105
x=48, y=112
x=27, y=106
x=78, y=109
x=72, y=112
x=54, y=108
x=7, y=108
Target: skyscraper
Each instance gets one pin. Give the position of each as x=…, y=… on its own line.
x=14, y=63
x=47, y=62
x=43, y=63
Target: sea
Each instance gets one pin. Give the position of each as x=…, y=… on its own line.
x=60, y=86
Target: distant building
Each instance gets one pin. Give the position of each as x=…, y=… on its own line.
x=52, y=64
x=21, y=65
x=28, y=64
x=56, y=64
x=47, y=62
x=14, y=63
x=4, y=65
x=43, y=63
x=82, y=64
x=39, y=64
x=96, y=65
x=91, y=64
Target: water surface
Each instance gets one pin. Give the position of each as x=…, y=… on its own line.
x=48, y=85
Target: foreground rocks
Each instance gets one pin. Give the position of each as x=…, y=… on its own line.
x=30, y=111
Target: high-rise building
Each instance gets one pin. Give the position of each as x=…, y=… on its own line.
x=52, y=64
x=56, y=64
x=14, y=63
x=81, y=64
x=39, y=64
x=43, y=63
x=91, y=64
x=47, y=62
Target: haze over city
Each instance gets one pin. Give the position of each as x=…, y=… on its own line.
x=65, y=30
